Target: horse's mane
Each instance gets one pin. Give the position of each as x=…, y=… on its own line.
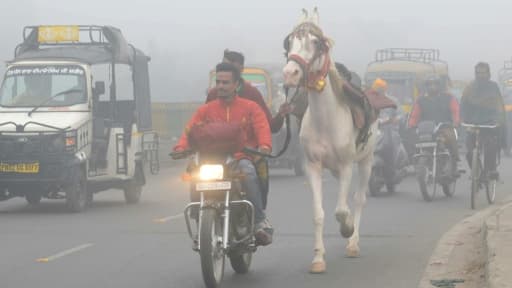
x=337, y=82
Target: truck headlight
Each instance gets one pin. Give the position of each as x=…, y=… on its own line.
x=211, y=172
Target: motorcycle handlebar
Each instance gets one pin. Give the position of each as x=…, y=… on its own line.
x=177, y=155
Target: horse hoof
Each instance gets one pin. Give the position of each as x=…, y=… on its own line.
x=317, y=267
x=346, y=224
x=352, y=252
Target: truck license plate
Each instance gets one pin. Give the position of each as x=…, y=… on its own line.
x=23, y=168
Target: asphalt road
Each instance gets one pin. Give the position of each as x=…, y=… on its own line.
x=118, y=245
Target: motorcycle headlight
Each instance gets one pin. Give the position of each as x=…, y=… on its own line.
x=211, y=172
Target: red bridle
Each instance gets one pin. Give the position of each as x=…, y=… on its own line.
x=311, y=78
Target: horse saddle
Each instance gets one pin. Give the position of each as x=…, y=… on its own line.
x=365, y=106
x=362, y=112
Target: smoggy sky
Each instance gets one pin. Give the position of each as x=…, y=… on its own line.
x=186, y=38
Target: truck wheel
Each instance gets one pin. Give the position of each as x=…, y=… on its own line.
x=33, y=198
x=133, y=188
x=76, y=193
x=132, y=192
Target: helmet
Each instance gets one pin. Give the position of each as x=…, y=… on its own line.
x=432, y=79
x=380, y=83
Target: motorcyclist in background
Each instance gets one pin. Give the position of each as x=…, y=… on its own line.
x=439, y=106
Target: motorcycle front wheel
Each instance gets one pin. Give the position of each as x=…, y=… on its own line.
x=490, y=188
x=426, y=181
x=210, y=249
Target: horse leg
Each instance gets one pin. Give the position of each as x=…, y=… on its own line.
x=365, y=167
x=314, y=173
x=342, y=210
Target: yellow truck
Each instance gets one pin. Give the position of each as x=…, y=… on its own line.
x=405, y=70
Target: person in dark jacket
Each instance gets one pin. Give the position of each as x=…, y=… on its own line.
x=247, y=91
x=482, y=104
x=439, y=106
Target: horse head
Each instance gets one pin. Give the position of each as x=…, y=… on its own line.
x=307, y=51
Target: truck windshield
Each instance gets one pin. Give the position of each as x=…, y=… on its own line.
x=29, y=86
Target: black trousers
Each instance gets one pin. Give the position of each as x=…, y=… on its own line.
x=489, y=141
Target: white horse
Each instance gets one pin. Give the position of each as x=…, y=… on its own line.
x=327, y=133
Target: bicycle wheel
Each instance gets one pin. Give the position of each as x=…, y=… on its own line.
x=475, y=177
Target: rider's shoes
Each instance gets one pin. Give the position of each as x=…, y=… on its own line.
x=263, y=233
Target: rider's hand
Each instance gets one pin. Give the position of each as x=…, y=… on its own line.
x=178, y=149
x=285, y=109
x=264, y=150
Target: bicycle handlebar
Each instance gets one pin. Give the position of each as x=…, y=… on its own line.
x=467, y=125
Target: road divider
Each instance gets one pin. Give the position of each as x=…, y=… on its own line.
x=167, y=219
x=64, y=253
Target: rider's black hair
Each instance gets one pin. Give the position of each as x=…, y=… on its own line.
x=228, y=67
x=483, y=65
x=234, y=56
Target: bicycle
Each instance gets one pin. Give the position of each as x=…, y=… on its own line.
x=479, y=176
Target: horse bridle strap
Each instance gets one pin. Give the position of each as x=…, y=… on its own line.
x=299, y=60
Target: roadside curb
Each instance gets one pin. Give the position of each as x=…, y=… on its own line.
x=495, y=235
x=437, y=266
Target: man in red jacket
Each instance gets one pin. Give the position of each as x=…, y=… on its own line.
x=231, y=108
x=247, y=91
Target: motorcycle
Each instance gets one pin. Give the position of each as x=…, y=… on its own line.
x=224, y=218
x=390, y=160
x=433, y=162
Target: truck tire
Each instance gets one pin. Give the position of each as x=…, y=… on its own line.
x=76, y=192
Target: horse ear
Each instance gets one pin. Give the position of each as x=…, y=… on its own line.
x=315, y=17
x=286, y=45
x=304, y=16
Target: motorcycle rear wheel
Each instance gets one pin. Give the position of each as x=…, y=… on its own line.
x=449, y=188
x=241, y=260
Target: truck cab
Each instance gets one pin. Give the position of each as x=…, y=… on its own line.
x=75, y=116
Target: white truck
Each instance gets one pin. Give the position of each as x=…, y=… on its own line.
x=75, y=116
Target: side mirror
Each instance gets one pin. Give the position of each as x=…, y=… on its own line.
x=98, y=89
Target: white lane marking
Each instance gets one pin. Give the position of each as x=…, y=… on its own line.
x=167, y=219
x=64, y=253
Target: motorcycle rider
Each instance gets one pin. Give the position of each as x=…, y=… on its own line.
x=483, y=104
x=439, y=106
x=247, y=91
x=231, y=108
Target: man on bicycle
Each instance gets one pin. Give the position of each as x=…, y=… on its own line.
x=482, y=104
x=440, y=107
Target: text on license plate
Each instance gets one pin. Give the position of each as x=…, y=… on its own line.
x=25, y=168
x=212, y=186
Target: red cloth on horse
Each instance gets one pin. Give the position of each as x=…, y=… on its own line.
x=256, y=132
x=378, y=100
